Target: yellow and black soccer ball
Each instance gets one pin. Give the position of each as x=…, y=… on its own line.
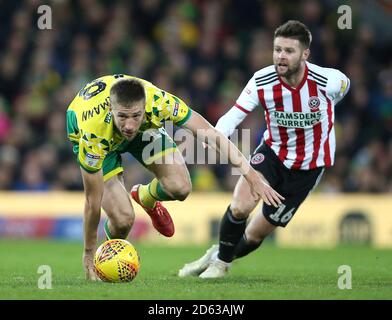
x=116, y=260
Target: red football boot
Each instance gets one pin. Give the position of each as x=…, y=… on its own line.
x=160, y=217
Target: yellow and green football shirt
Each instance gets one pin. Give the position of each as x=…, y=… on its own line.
x=90, y=125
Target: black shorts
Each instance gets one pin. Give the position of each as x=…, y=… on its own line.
x=294, y=185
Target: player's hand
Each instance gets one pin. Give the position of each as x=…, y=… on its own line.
x=261, y=189
x=88, y=264
x=270, y=196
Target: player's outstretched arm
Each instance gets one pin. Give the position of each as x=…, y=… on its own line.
x=204, y=131
x=93, y=190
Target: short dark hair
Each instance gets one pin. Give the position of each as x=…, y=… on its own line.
x=127, y=91
x=295, y=30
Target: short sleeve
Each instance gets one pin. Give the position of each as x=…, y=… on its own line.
x=92, y=152
x=338, y=85
x=175, y=109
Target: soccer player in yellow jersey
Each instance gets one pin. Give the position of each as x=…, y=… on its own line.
x=115, y=114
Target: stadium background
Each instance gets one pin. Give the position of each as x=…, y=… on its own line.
x=204, y=52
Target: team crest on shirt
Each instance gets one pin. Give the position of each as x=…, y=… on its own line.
x=257, y=158
x=314, y=103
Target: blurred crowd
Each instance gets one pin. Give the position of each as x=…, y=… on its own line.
x=203, y=51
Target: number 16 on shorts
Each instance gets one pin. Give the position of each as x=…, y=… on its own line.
x=277, y=216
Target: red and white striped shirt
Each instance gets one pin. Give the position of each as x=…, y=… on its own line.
x=299, y=120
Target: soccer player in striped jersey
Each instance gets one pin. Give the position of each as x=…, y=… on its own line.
x=298, y=99
x=115, y=114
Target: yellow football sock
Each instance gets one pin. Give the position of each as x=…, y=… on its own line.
x=145, y=196
x=151, y=193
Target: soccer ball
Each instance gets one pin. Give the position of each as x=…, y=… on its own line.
x=116, y=260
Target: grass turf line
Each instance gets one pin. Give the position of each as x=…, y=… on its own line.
x=269, y=273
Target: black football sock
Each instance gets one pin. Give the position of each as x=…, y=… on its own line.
x=244, y=247
x=231, y=230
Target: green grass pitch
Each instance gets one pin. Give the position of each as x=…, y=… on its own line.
x=269, y=273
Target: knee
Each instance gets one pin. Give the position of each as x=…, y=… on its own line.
x=239, y=210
